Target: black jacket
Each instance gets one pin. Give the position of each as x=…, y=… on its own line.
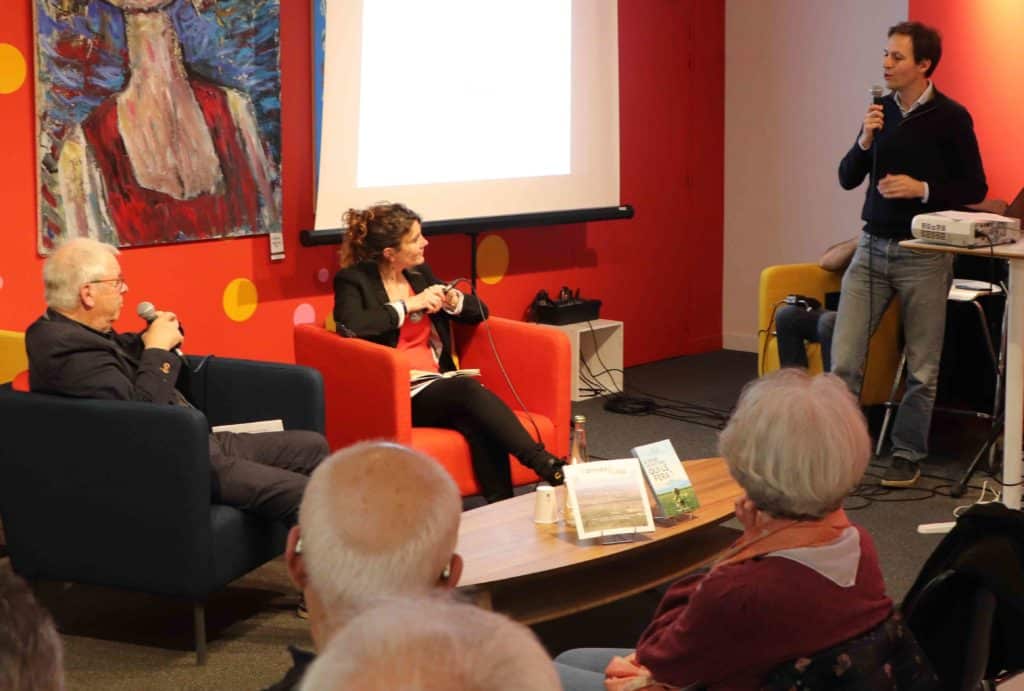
x=360, y=307
x=68, y=358
x=934, y=143
x=984, y=550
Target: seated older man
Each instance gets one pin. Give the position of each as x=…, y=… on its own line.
x=74, y=350
x=800, y=579
x=378, y=520
x=427, y=645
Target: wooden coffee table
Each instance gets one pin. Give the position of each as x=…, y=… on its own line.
x=533, y=572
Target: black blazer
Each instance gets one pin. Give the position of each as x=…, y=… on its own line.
x=360, y=307
x=68, y=358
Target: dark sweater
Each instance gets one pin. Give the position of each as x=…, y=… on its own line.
x=728, y=628
x=934, y=143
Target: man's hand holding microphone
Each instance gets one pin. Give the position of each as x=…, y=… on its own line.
x=891, y=186
x=164, y=330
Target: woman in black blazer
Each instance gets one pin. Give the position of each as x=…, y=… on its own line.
x=385, y=293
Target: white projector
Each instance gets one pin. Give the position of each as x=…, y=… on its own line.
x=965, y=228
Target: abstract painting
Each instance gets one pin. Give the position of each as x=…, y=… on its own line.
x=159, y=121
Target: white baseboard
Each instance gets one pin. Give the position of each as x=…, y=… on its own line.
x=740, y=341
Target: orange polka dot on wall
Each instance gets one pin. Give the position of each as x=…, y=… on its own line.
x=240, y=299
x=492, y=259
x=12, y=69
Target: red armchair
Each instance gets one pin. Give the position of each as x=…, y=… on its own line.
x=367, y=389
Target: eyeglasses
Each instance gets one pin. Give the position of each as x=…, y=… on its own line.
x=118, y=282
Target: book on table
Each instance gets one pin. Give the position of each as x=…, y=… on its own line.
x=418, y=378
x=610, y=498
x=667, y=478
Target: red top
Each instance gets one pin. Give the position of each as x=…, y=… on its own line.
x=143, y=216
x=729, y=628
x=414, y=341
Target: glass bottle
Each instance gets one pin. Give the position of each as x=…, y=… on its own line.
x=577, y=454
x=578, y=450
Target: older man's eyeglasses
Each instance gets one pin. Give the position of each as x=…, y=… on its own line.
x=117, y=282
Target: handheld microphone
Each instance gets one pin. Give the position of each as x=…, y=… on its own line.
x=877, y=99
x=452, y=283
x=147, y=311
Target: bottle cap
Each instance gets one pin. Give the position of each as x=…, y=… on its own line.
x=579, y=419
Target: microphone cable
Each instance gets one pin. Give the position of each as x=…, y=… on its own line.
x=494, y=351
x=619, y=401
x=767, y=331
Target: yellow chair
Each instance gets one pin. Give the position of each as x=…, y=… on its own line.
x=810, y=279
x=13, y=360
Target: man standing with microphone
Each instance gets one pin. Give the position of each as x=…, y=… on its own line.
x=919, y=150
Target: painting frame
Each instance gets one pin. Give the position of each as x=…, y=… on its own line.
x=157, y=121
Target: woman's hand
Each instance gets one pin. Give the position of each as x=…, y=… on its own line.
x=429, y=300
x=451, y=298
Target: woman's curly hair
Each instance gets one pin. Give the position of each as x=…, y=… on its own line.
x=371, y=231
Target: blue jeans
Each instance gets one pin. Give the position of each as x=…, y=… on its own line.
x=879, y=270
x=582, y=669
x=794, y=325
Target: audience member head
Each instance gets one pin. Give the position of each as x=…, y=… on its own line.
x=31, y=656
x=926, y=42
x=82, y=280
x=377, y=520
x=433, y=645
x=796, y=443
x=375, y=229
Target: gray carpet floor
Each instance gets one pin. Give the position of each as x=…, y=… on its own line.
x=122, y=640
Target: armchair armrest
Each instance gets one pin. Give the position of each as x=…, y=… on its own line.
x=13, y=360
x=109, y=492
x=366, y=386
x=537, y=360
x=231, y=391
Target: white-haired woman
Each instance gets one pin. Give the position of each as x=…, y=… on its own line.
x=800, y=579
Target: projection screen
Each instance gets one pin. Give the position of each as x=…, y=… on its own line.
x=469, y=108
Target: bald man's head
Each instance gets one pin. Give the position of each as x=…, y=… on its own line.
x=432, y=645
x=377, y=519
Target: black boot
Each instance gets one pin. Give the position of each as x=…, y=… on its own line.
x=547, y=466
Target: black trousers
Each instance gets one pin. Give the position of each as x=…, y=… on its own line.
x=265, y=473
x=490, y=428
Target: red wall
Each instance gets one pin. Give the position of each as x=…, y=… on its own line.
x=982, y=59
x=660, y=273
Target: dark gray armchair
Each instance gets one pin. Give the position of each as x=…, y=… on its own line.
x=117, y=493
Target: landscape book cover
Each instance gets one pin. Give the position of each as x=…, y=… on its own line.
x=610, y=496
x=667, y=478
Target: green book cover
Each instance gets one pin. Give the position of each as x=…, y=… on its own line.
x=667, y=478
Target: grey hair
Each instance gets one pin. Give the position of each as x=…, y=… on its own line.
x=370, y=487
x=427, y=645
x=796, y=443
x=73, y=264
x=31, y=654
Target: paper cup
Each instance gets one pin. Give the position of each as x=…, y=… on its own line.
x=545, y=507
